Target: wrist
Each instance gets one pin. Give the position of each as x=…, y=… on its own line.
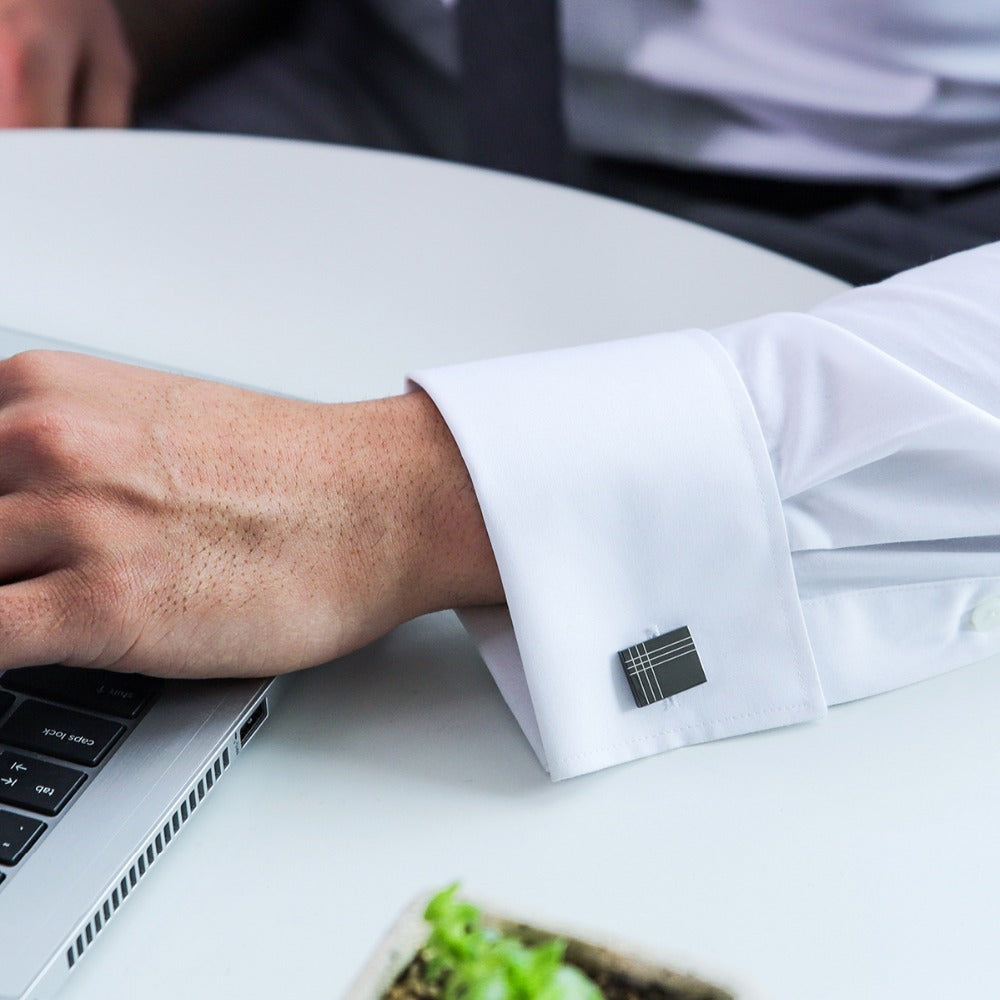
x=445, y=556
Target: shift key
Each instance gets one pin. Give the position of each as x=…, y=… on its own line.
x=58, y=732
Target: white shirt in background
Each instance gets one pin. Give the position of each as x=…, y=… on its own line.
x=863, y=90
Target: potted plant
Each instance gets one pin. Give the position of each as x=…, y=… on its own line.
x=447, y=949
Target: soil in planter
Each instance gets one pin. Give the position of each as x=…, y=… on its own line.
x=411, y=984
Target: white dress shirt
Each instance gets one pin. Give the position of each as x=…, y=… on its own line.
x=866, y=90
x=816, y=496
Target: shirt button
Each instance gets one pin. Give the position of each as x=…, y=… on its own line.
x=986, y=616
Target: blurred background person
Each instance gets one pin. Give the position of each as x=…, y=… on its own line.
x=861, y=136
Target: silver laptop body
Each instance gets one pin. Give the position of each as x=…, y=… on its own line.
x=84, y=863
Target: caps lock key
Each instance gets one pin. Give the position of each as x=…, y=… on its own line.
x=59, y=732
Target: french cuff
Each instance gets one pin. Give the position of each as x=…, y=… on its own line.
x=628, y=494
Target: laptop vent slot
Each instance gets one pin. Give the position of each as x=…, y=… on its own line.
x=146, y=858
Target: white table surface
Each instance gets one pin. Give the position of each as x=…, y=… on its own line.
x=853, y=858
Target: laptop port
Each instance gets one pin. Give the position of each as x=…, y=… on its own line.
x=253, y=721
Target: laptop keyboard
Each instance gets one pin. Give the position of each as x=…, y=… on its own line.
x=58, y=727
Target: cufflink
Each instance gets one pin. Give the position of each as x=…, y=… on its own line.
x=661, y=667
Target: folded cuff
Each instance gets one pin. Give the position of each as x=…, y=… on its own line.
x=627, y=492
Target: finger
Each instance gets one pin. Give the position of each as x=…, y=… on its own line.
x=35, y=627
x=105, y=89
x=37, y=74
x=105, y=101
x=30, y=543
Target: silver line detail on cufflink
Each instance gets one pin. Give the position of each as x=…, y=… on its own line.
x=661, y=667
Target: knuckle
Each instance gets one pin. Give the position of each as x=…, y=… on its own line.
x=29, y=371
x=50, y=437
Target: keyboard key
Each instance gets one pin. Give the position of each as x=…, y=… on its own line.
x=6, y=700
x=35, y=784
x=17, y=834
x=58, y=732
x=121, y=695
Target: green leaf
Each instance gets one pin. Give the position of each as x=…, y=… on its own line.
x=477, y=963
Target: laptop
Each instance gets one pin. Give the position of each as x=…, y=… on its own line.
x=100, y=773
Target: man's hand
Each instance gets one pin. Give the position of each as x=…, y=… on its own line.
x=173, y=526
x=63, y=62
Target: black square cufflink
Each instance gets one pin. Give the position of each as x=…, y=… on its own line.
x=661, y=667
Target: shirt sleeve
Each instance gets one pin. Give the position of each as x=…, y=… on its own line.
x=813, y=496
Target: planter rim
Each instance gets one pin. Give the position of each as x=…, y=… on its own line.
x=400, y=943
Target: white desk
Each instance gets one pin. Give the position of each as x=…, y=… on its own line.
x=854, y=858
